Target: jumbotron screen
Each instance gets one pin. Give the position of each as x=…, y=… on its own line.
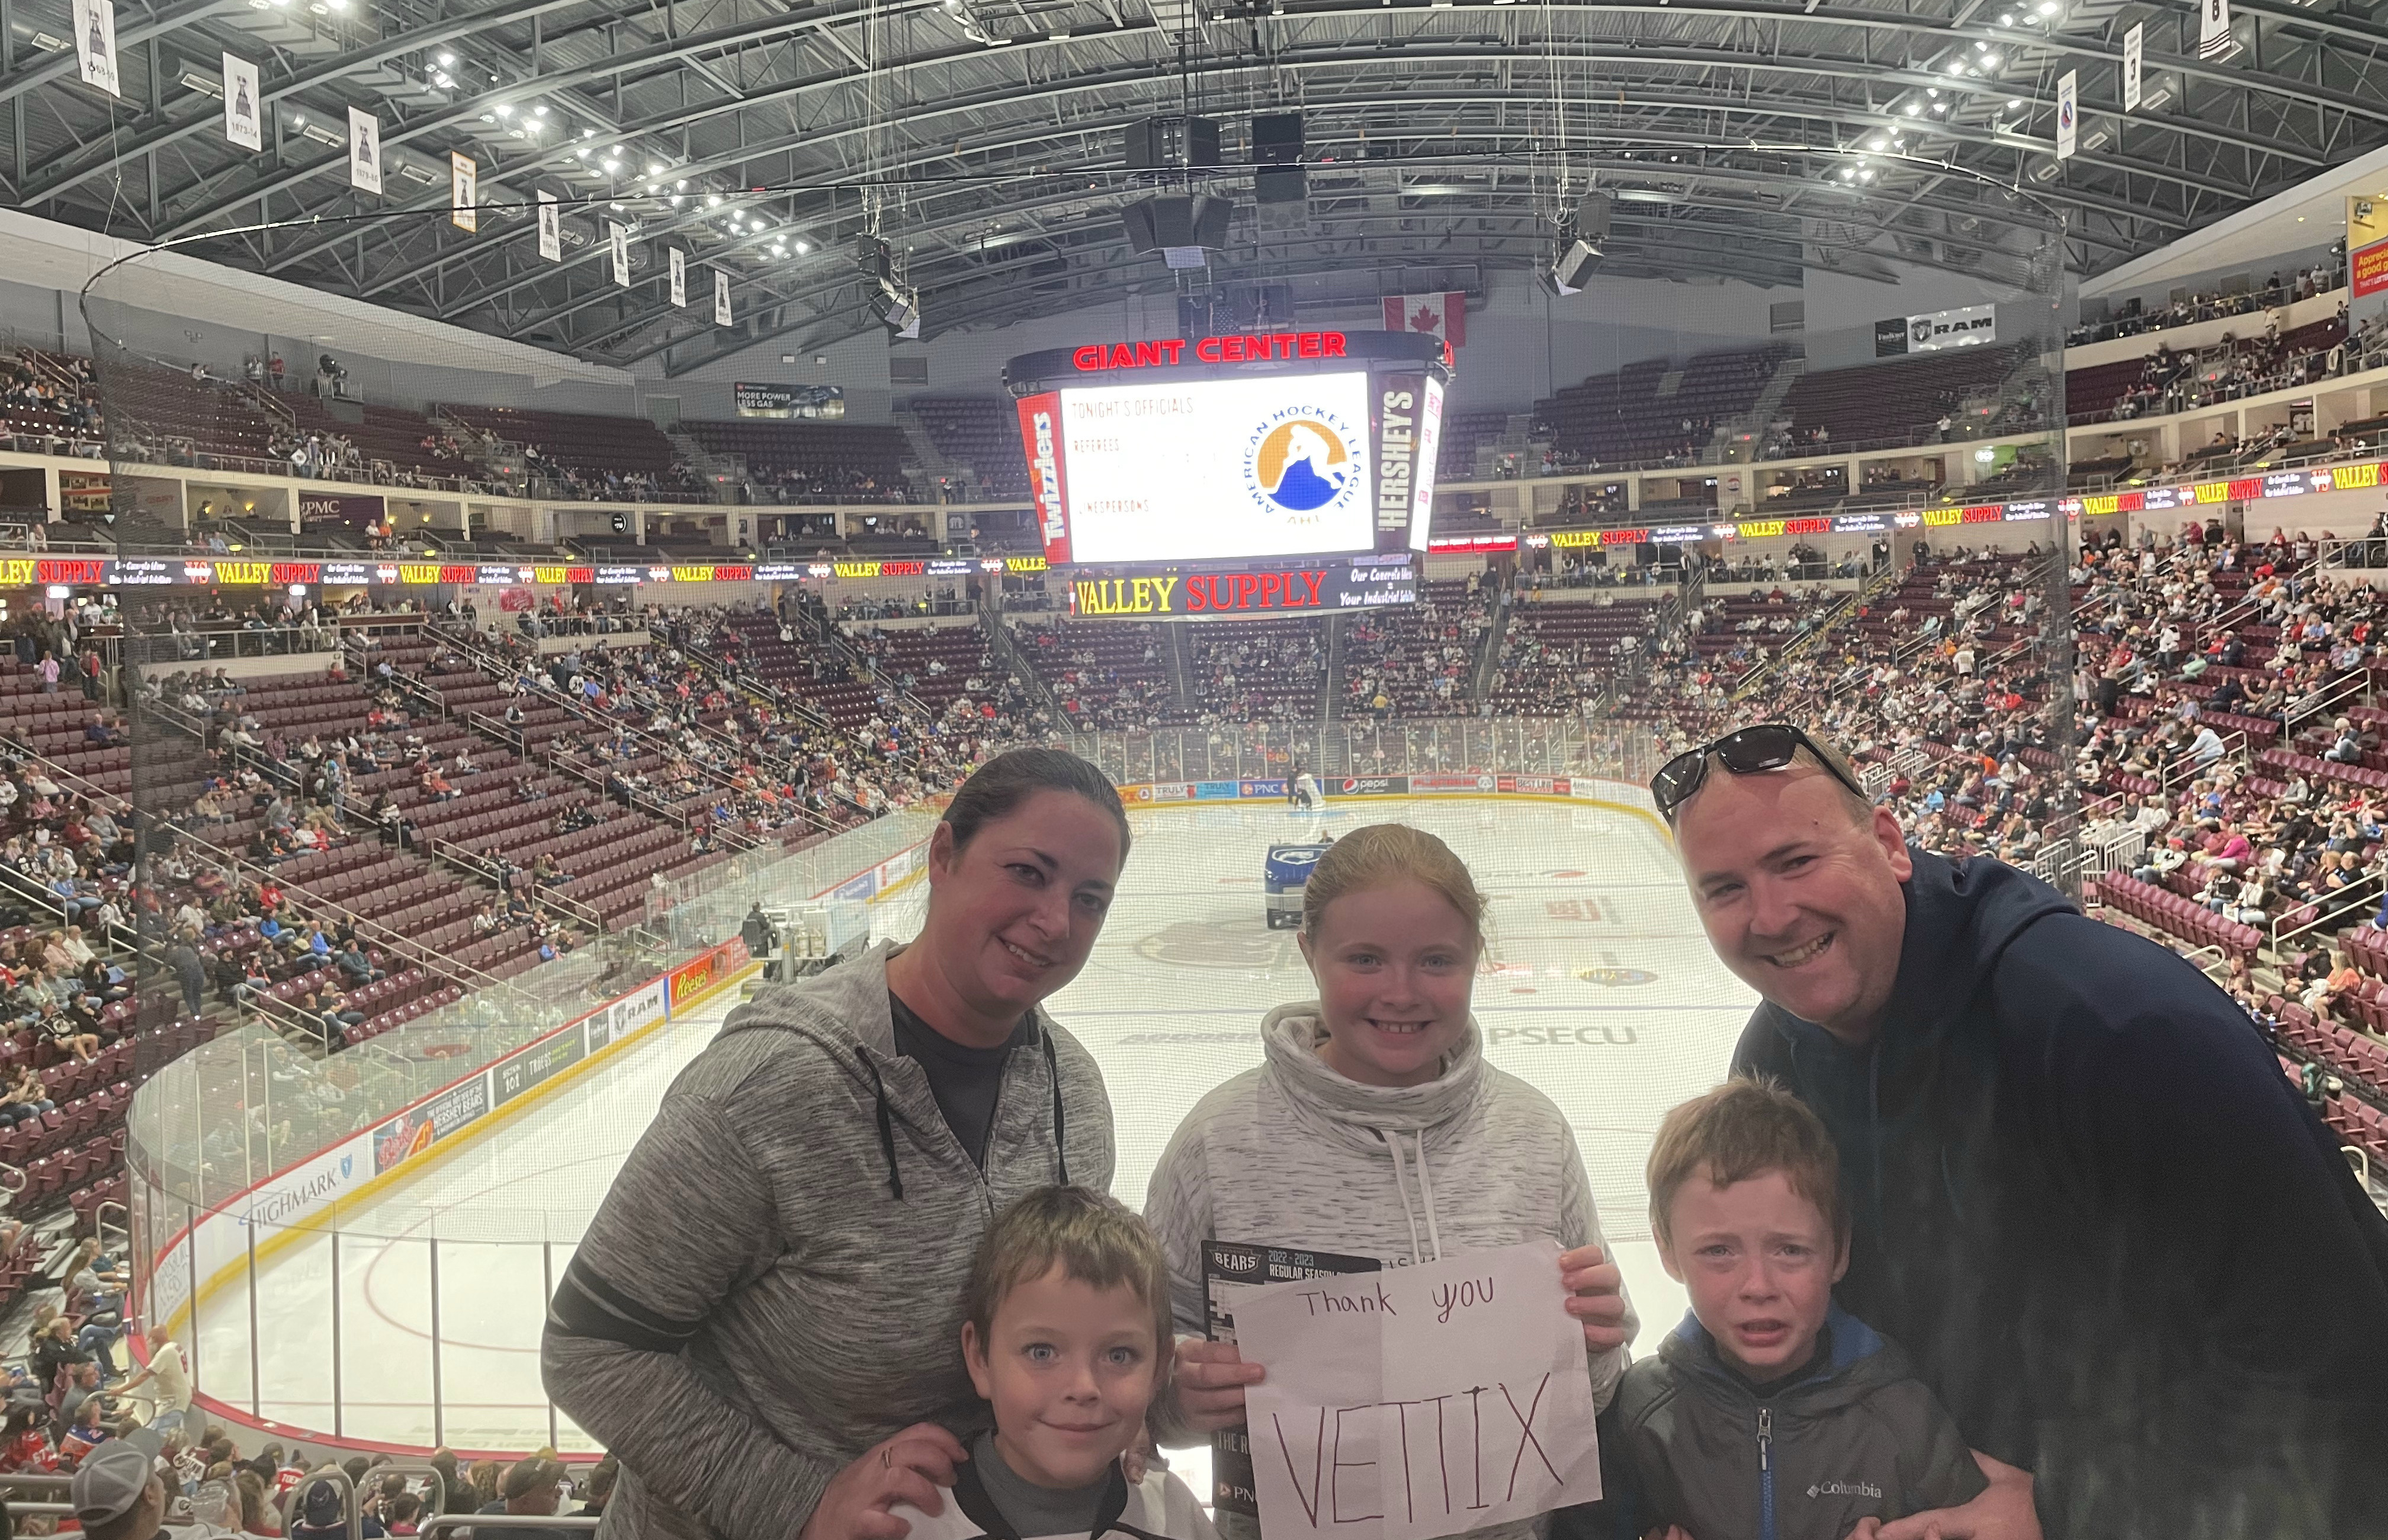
x=1161, y=464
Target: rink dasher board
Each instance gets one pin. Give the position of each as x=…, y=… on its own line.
x=212, y=1247
x=280, y=1211
x=1572, y=790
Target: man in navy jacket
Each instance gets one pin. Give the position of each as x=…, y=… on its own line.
x=2116, y=1242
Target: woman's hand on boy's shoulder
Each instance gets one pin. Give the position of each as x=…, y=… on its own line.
x=2002, y=1510
x=909, y=1467
x=1596, y=1296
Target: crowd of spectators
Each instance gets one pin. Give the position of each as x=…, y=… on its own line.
x=150, y=1460
x=2174, y=381
x=1104, y=676
x=52, y=408
x=2279, y=289
x=2220, y=754
x=1258, y=672
x=1417, y=659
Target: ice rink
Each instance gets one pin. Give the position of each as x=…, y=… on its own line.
x=1598, y=989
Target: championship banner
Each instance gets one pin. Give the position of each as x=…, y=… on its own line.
x=463, y=196
x=2214, y=39
x=679, y=278
x=95, y=29
x=550, y=227
x=2068, y=113
x=2134, y=54
x=618, y=239
x=364, y=151
x=243, y=124
x=720, y=297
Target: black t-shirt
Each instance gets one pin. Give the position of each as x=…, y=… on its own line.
x=964, y=1080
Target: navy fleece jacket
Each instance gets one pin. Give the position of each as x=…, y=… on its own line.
x=2114, y=1239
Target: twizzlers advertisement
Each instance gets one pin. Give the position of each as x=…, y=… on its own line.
x=1040, y=435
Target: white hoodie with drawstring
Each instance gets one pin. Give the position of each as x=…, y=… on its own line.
x=1295, y=1154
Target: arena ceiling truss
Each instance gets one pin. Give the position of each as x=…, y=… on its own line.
x=1741, y=140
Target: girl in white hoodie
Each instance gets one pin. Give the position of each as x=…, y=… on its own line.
x=1375, y=1129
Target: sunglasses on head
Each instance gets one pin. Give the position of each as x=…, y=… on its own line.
x=1748, y=751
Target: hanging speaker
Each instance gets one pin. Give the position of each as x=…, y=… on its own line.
x=1279, y=184
x=1592, y=215
x=1276, y=139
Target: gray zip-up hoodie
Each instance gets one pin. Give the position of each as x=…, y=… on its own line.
x=774, y=1282
x=1294, y=1155
x=1860, y=1438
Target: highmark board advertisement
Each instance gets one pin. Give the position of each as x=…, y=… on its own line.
x=192, y=1258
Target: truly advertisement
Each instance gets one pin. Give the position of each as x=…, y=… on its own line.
x=535, y=1064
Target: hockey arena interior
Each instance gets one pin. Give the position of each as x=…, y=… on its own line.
x=516, y=520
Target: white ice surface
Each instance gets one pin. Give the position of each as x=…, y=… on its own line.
x=1599, y=989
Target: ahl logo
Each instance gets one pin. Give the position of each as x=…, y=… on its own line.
x=1298, y=465
x=1844, y=1489
x=1613, y=977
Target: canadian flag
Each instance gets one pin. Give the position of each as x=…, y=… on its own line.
x=1445, y=315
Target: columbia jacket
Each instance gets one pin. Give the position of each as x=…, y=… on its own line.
x=774, y=1282
x=1861, y=1438
x=2116, y=1242
x=1294, y=1155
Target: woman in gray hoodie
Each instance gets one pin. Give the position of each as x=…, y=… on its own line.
x=1375, y=1129
x=761, y=1322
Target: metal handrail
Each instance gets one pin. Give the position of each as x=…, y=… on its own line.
x=438, y=1502
x=477, y=865
x=99, y=1219
x=2366, y=888
x=437, y=963
x=491, y=667
x=347, y=1488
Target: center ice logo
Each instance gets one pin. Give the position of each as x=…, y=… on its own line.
x=1298, y=465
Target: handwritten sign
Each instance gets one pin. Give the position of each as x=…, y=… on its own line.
x=1419, y=1401
x=1230, y=1272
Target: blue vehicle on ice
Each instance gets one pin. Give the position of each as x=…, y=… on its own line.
x=1285, y=875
